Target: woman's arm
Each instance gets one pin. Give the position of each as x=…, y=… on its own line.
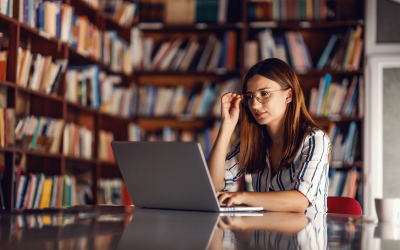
x=216, y=159
x=283, y=201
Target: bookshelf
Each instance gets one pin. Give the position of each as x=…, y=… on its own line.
x=316, y=35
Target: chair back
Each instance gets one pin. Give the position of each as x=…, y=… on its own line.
x=343, y=205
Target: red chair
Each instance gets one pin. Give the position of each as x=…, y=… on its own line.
x=343, y=205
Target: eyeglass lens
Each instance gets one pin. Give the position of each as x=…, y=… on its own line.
x=262, y=97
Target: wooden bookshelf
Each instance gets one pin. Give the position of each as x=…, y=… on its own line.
x=57, y=106
x=293, y=25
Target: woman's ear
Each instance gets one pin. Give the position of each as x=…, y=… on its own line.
x=289, y=95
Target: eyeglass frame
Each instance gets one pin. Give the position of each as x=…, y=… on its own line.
x=255, y=95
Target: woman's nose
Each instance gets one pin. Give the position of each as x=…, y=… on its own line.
x=255, y=104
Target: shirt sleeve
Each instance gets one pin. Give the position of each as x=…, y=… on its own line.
x=314, y=162
x=231, y=167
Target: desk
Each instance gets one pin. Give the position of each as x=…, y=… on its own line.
x=102, y=227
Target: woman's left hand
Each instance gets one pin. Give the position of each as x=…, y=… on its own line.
x=230, y=198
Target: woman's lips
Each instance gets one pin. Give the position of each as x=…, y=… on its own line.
x=260, y=114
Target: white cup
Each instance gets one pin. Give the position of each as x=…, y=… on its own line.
x=388, y=210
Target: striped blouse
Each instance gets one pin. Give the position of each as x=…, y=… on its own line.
x=308, y=173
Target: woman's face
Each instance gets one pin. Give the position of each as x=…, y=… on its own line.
x=273, y=111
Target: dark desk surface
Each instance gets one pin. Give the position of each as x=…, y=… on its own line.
x=103, y=227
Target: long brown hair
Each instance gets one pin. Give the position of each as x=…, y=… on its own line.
x=254, y=138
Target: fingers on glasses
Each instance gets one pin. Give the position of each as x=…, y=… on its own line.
x=229, y=97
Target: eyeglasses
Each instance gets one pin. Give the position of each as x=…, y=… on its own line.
x=262, y=97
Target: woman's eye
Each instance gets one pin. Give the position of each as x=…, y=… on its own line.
x=264, y=93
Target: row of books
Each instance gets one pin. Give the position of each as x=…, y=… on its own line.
x=38, y=72
x=190, y=11
x=334, y=98
x=78, y=141
x=83, y=85
x=43, y=15
x=40, y=191
x=6, y=7
x=121, y=10
x=344, y=146
x=289, y=47
x=39, y=133
x=89, y=87
x=205, y=137
x=178, y=54
x=292, y=10
x=113, y=192
x=115, y=99
x=343, y=52
x=104, y=46
x=104, y=147
x=171, y=101
x=343, y=183
x=125, y=15
x=7, y=125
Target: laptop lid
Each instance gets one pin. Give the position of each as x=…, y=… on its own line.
x=168, y=175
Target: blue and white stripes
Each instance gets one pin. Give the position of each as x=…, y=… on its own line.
x=308, y=173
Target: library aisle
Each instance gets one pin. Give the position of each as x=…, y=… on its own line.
x=78, y=74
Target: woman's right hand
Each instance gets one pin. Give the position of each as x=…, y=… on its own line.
x=230, y=109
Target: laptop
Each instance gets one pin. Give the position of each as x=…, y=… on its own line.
x=169, y=175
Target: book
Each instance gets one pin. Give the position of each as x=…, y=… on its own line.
x=38, y=194
x=46, y=193
x=328, y=49
x=3, y=65
x=180, y=11
x=54, y=191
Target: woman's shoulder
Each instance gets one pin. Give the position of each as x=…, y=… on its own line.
x=317, y=136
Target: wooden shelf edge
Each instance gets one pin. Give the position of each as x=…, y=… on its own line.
x=337, y=119
x=160, y=26
x=91, y=60
x=41, y=34
x=8, y=19
x=175, y=118
x=302, y=24
x=108, y=163
x=330, y=71
x=38, y=153
x=33, y=92
x=80, y=159
x=215, y=73
x=98, y=112
x=7, y=149
x=7, y=83
x=84, y=108
x=118, y=117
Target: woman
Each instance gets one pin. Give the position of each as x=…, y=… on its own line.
x=280, y=145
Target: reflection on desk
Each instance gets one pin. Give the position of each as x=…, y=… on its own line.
x=171, y=229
